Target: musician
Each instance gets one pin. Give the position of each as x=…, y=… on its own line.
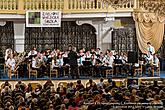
x=59, y=63
x=94, y=64
x=22, y=65
x=101, y=56
x=54, y=64
x=108, y=61
x=10, y=63
x=149, y=62
x=80, y=61
x=93, y=59
x=136, y=66
x=92, y=51
x=150, y=48
x=107, y=52
x=43, y=57
x=35, y=64
x=99, y=64
x=32, y=52
x=98, y=51
x=155, y=61
x=53, y=53
x=149, y=58
x=65, y=55
x=88, y=54
x=48, y=53
x=66, y=63
x=72, y=55
x=124, y=59
x=8, y=53
x=118, y=64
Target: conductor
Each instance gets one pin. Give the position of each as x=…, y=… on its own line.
x=73, y=62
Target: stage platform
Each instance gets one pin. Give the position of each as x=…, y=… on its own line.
x=57, y=82
x=119, y=80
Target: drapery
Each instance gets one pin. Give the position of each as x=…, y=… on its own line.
x=149, y=28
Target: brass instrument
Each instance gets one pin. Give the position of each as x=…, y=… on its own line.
x=39, y=63
x=20, y=59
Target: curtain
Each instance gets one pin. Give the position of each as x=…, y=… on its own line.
x=149, y=28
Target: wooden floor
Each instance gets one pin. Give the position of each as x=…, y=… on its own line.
x=119, y=81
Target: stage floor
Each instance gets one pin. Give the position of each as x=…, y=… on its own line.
x=162, y=74
x=4, y=77
x=119, y=80
x=57, y=82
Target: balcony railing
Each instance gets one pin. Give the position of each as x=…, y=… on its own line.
x=66, y=6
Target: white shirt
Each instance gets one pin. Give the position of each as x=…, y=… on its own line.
x=81, y=59
x=8, y=51
x=65, y=55
x=151, y=49
x=150, y=59
x=60, y=62
x=108, y=61
x=11, y=62
x=53, y=64
x=33, y=52
x=94, y=61
x=88, y=55
x=156, y=61
x=34, y=63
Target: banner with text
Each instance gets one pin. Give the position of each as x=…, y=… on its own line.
x=43, y=19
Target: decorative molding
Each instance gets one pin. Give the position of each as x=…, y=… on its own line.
x=73, y=16
x=2, y=23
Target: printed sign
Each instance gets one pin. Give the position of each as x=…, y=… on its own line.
x=43, y=19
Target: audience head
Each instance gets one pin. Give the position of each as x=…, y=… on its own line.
x=101, y=79
x=78, y=81
x=63, y=100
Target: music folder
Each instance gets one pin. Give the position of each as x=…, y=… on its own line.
x=49, y=59
x=87, y=63
x=87, y=59
x=98, y=60
x=118, y=61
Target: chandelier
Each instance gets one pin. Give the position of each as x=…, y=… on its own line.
x=116, y=3
x=154, y=6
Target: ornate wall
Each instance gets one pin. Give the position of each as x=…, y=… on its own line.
x=80, y=36
x=7, y=36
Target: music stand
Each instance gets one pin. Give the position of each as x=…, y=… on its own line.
x=87, y=66
x=87, y=59
x=87, y=63
x=118, y=61
x=49, y=59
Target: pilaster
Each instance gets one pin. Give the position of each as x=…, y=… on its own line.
x=19, y=36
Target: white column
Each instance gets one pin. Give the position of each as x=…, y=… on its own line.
x=106, y=35
x=19, y=36
x=99, y=39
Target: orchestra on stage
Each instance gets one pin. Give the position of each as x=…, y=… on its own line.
x=75, y=63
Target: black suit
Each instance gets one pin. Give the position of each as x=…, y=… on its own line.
x=73, y=63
